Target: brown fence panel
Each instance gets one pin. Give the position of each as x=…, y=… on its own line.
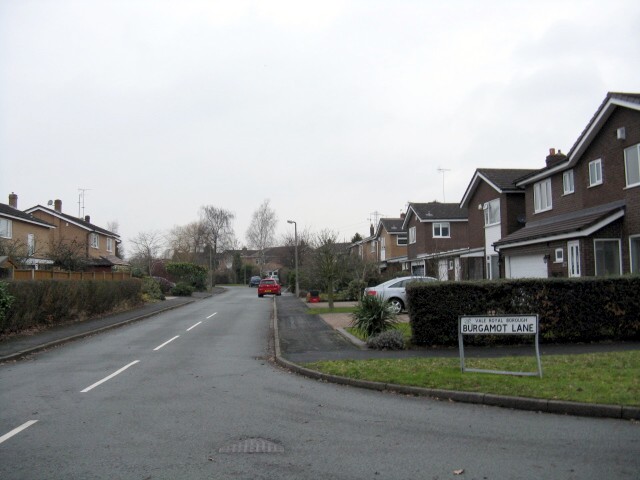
x=59, y=275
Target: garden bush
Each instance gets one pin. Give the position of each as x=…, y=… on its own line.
x=151, y=289
x=49, y=302
x=389, y=340
x=355, y=289
x=373, y=316
x=570, y=310
x=6, y=299
x=182, y=289
x=189, y=273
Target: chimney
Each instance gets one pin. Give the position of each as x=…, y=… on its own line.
x=13, y=200
x=403, y=215
x=87, y=218
x=555, y=158
x=57, y=205
x=371, y=230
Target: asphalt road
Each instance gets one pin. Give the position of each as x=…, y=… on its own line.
x=190, y=400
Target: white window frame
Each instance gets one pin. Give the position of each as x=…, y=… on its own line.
x=595, y=255
x=634, y=257
x=595, y=173
x=568, y=184
x=542, y=197
x=559, y=255
x=412, y=235
x=6, y=232
x=109, y=244
x=492, y=212
x=440, y=227
x=373, y=246
x=404, y=239
x=94, y=240
x=636, y=181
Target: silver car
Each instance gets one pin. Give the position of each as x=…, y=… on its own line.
x=394, y=291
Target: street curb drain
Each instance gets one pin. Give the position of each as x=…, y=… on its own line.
x=253, y=445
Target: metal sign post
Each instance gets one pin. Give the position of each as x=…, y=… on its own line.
x=498, y=325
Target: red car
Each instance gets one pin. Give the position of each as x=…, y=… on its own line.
x=268, y=285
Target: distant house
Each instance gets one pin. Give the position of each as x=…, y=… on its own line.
x=392, y=241
x=24, y=237
x=437, y=237
x=496, y=209
x=98, y=245
x=583, y=209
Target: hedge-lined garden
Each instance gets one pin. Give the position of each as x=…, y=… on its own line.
x=34, y=304
x=570, y=310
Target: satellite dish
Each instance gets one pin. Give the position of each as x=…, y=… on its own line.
x=522, y=219
x=50, y=202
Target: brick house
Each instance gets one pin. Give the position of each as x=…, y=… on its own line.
x=583, y=209
x=24, y=237
x=392, y=244
x=437, y=237
x=98, y=245
x=496, y=209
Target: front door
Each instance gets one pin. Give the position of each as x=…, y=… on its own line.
x=573, y=249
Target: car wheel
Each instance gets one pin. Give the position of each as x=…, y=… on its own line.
x=260, y=296
x=396, y=305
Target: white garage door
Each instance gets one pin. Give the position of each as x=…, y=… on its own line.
x=526, y=266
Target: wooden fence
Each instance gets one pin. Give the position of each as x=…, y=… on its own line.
x=59, y=275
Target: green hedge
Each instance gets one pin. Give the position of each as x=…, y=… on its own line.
x=570, y=310
x=49, y=302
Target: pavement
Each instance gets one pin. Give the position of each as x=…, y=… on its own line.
x=300, y=338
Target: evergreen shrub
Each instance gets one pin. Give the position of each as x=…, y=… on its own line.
x=570, y=310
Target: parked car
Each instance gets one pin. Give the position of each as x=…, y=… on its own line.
x=255, y=281
x=269, y=285
x=394, y=291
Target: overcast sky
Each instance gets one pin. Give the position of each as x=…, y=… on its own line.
x=332, y=110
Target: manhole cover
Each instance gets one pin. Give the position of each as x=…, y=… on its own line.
x=253, y=445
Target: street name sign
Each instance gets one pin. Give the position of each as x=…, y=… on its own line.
x=498, y=325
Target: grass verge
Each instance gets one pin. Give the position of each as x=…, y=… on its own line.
x=405, y=328
x=609, y=378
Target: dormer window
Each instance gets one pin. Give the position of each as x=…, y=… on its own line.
x=595, y=173
x=542, y=196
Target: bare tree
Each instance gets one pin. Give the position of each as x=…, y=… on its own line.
x=146, y=246
x=260, y=233
x=217, y=224
x=68, y=254
x=327, y=260
x=187, y=241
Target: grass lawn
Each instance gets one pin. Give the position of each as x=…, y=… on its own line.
x=609, y=378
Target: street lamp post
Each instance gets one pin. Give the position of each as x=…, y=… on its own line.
x=295, y=237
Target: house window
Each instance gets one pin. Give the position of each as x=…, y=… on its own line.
x=5, y=228
x=567, y=182
x=492, y=212
x=373, y=246
x=634, y=248
x=412, y=235
x=542, y=196
x=441, y=230
x=607, y=253
x=109, y=244
x=31, y=244
x=632, y=165
x=559, y=255
x=595, y=173
x=401, y=240
x=93, y=240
